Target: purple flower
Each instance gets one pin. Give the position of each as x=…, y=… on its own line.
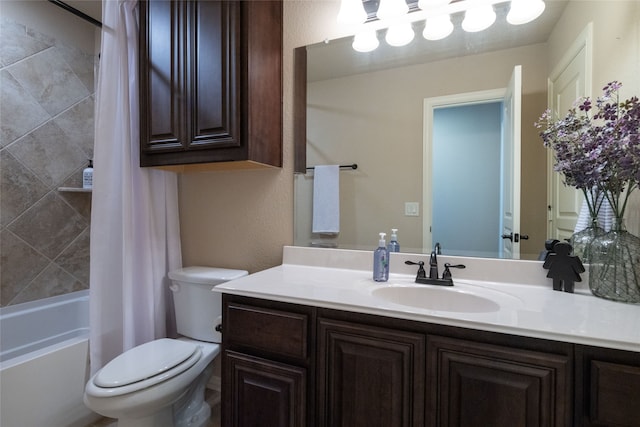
x=600, y=150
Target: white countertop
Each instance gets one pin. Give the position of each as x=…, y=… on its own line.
x=527, y=307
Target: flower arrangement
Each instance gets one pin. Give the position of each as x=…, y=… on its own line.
x=597, y=149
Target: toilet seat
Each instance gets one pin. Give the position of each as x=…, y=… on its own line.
x=144, y=366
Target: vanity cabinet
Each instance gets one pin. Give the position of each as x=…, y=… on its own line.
x=299, y=365
x=210, y=83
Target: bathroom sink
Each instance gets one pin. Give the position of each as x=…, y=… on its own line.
x=436, y=298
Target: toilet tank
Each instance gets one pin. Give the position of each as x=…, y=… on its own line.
x=198, y=309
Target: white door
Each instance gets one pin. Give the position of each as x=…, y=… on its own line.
x=510, y=238
x=570, y=80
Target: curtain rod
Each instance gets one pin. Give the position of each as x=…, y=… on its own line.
x=76, y=12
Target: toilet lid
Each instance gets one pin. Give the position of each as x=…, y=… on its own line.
x=144, y=361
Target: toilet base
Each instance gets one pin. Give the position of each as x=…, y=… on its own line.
x=199, y=419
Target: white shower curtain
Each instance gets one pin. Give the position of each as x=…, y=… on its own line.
x=135, y=236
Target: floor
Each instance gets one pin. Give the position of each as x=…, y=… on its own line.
x=213, y=398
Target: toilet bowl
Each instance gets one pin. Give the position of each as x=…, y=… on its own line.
x=161, y=383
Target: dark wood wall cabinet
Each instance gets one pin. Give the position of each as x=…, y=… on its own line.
x=294, y=365
x=210, y=83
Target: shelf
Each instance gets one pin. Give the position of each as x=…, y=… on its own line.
x=74, y=190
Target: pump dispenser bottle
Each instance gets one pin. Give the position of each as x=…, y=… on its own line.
x=381, y=261
x=87, y=176
x=393, y=245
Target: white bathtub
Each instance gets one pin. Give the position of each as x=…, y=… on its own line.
x=44, y=362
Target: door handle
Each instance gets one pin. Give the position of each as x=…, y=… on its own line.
x=508, y=236
x=515, y=237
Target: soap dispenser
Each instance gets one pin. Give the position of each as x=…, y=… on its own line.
x=381, y=261
x=394, y=246
x=87, y=176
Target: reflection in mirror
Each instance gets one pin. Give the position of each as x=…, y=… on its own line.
x=368, y=108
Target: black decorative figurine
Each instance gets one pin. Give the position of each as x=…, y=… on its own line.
x=563, y=268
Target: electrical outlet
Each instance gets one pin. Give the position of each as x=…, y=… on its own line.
x=412, y=209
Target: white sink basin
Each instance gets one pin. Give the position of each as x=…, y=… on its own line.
x=435, y=298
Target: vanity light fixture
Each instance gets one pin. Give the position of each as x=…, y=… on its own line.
x=365, y=41
x=478, y=17
x=352, y=12
x=390, y=10
x=523, y=11
x=437, y=27
x=394, y=15
x=399, y=34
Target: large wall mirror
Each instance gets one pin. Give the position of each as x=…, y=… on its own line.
x=377, y=110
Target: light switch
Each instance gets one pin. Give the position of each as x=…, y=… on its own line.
x=412, y=209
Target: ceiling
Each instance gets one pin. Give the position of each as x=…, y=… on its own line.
x=336, y=58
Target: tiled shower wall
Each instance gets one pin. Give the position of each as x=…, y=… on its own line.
x=46, y=139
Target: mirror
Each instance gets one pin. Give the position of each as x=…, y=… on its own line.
x=368, y=109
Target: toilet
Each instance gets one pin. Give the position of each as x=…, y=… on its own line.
x=161, y=383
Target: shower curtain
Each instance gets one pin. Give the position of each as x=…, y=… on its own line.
x=135, y=236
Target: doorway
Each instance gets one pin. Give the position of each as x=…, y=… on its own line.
x=465, y=175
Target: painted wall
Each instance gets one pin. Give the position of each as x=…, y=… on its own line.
x=466, y=179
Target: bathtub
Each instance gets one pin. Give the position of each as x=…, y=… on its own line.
x=44, y=362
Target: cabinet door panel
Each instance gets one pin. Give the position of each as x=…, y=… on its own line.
x=215, y=94
x=262, y=393
x=161, y=76
x=369, y=376
x=474, y=384
x=614, y=394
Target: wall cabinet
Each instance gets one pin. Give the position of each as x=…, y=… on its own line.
x=299, y=365
x=210, y=82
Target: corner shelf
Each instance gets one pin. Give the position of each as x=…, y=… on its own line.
x=74, y=190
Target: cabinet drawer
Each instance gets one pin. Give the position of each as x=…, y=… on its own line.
x=274, y=331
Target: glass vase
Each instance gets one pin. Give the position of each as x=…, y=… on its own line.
x=581, y=240
x=614, y=268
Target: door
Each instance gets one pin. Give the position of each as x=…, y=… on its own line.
x=570, y=80
x=510, y=243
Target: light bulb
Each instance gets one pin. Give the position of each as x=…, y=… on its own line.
x=392, y=9
x=399, y=34
x=351, y=12
x=523, y=11
x=432, y=4
x=365, y=41
x=437, y=27
x=478, y=18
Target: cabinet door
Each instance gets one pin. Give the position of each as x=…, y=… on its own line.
x=608, y=387
x=475, y=384
x=262, y=392
x=369, y=376
x=189, y=80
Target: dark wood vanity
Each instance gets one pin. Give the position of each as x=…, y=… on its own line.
x=291, y=365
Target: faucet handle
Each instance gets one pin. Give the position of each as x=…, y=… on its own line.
x=446, y=274
x=421, y=273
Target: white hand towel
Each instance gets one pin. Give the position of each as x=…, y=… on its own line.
x=326, y=199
